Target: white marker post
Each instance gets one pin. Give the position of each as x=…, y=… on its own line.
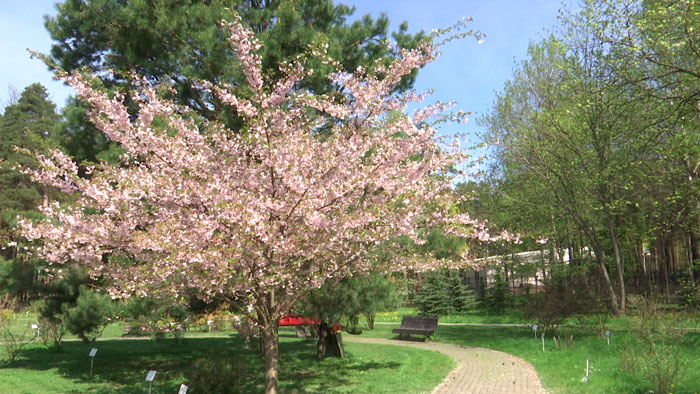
x=149, y=378
x=585, y=378
x=35, y=328
x=534, y=328
x=209, y=323
x=92, y=354
x=542, y=336
x=607, y=336
x=183, y=389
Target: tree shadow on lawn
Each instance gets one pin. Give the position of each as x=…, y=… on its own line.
x=120, y=366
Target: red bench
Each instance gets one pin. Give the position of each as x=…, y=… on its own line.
x=298, y=320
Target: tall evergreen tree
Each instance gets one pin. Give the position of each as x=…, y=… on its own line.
x=27, y=124
x=181, y=43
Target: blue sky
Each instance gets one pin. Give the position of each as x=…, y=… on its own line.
x=468, y=73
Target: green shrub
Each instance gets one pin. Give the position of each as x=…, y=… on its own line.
x=90, y=315
x=155, y=317
x=15, y=331
x=217, y=374
x=688, y=294
x=654, y=354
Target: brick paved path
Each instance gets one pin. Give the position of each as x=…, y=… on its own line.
x=478, y=371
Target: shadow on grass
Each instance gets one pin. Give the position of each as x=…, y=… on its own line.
x=120, y=366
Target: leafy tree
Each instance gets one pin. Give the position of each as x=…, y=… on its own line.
x=265, y=216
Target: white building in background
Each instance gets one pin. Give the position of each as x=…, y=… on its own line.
x=525, y=270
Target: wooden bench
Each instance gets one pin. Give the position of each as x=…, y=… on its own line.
x=417, y=325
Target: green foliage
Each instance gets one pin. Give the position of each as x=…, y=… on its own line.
x=497, y=296
x=91, y=313
x=52, y=331
x=562, y=298
x=688, y=294
x=218, y=374
x=181, y=43
x=655, y=352
x=351, y=298
x=61, y=293
x=17, y=276
x=444, y=293
x=156, y=317
x=15, y=329
x=27, y=124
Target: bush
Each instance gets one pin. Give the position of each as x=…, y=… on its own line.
x=557, y=302
x=688, y=295
x=52, y=329
x=90, y=315
x=655, y=353
x=216, y=374
x=155, y=317
x=15, y=331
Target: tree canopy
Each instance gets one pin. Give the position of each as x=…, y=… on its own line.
x=266, y=214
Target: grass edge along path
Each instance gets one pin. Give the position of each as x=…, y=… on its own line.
x=561, y=369
x=478, y=370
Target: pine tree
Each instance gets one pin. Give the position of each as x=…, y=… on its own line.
x=27, y=124
x=181, y=43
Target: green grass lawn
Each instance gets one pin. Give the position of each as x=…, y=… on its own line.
x=121, y=365
x=561, y=369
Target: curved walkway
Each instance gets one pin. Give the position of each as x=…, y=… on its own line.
x=478, y=371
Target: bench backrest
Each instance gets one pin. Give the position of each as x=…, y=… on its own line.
x=422, y=322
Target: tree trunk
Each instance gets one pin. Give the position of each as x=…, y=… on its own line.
x=664, y=268
x=600, y=258
x=268, y=318
x=370, y=320
x=691, y=273
x=327, y=345
x=271, y=351
x=618, y=262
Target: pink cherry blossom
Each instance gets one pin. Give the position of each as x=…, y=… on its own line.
x=275, y=208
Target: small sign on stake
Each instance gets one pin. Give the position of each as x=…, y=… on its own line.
x=534, y=328
x=92, y=354
x=607, y=335
x=149, y=378
x=183, y=389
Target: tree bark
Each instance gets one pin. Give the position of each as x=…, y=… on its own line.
x=268, y=318
x=600, y=258
x=271, y=351
x=618, y=262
